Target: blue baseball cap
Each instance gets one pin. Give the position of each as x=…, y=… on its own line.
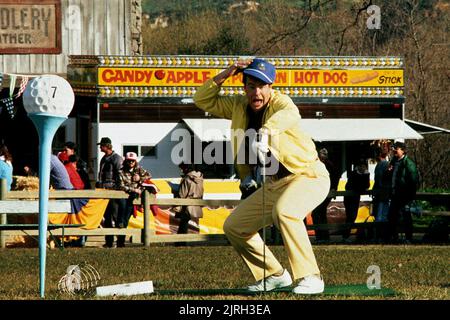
x=261, y=70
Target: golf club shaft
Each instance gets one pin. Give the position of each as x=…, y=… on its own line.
x=263, y=174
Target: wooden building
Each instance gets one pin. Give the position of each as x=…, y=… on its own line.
x=38, y=37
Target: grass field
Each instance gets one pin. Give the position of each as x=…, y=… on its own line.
x=414, y=272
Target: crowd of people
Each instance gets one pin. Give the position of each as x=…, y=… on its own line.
x=117, y=173
x=403, y=176
x=395, y=184
x=394, y=188
x=69, y=172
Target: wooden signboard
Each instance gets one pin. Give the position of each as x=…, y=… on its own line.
x=30, y=26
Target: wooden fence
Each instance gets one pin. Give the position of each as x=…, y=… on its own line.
x=148, y=235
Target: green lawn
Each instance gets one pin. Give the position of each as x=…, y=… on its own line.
x=413, y=272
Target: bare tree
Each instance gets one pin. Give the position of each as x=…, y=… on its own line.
x=414, y=29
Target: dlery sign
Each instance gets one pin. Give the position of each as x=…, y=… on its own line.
x=30, y=26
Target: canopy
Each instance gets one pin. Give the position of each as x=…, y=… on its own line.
x=358, y=129
x=424, y=128
x=319, y=129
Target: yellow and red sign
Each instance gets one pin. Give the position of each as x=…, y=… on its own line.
x=194, y=77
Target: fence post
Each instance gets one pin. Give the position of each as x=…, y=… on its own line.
x=147, y=213
x=3, y=191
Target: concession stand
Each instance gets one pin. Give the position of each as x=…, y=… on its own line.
x=140, y=101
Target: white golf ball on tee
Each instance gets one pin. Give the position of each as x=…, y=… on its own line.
x=50, y=94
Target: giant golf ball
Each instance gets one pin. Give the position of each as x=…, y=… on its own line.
x=49, y=94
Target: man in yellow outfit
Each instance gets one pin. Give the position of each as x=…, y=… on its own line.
x=299, y=185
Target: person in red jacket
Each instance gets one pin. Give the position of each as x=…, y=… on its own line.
x=71, y=167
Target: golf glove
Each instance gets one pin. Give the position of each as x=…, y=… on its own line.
x=248, y=182
x=260, y=146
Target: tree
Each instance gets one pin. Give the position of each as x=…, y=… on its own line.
x=414, y=29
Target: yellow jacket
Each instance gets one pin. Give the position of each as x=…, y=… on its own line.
x=288, y=143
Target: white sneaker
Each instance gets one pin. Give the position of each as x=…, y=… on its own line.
x=272, y=282
x=310, y=285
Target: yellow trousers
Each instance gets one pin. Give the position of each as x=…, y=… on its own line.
x=287, y=201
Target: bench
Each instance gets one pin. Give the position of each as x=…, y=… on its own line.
x=24, y=207
x=27, y=206
x=66, y=230
x=35, y=226
x=32, y=206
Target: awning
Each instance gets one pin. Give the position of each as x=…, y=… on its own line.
x=358, y=129
x=319, y=129
x=210, y=129
x=424, y=128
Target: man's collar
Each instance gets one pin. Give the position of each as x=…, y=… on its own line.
x=260, y=111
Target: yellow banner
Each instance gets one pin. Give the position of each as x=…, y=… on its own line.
x=179, y=77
